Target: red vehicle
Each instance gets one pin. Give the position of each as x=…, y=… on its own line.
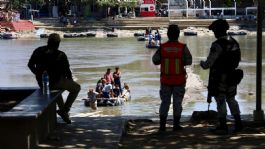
x=147, y=8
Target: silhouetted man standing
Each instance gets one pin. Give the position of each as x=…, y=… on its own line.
x=172, y=56
x=223, y=60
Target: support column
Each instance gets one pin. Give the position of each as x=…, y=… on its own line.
x=210, y=8
x=235, y=6
x=187, y=7
x=258, y=113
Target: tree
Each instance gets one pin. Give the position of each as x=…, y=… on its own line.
x=108, y=2
x=119, y=3
x=230, y=3
x=131, y=3
x=18, y=4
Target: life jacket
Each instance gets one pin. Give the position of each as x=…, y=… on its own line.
x=172, y=68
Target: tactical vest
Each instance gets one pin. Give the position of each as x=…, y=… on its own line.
x=230, y=56
x=172, y=69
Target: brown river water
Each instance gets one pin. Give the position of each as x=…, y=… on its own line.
x=89, y=58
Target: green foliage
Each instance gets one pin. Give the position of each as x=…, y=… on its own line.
x=131, y=3
x=18, y=4
x=107, y=2
x=230, y=3
x=122, y=3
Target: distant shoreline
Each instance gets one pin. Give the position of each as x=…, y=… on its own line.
x=126, y=27
x=100, y=33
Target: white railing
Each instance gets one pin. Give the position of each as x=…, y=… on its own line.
x=181, y=7
x=250, y=8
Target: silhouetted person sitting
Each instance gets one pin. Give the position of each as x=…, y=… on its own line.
x=55, y=62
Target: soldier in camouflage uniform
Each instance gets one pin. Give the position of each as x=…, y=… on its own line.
x=172, y=56
x=223, y=60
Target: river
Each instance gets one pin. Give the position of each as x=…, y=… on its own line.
x=89, y=58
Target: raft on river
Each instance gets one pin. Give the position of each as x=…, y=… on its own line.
x=104, y=102
x=151, y=46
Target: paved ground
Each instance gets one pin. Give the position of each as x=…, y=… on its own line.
x=141, y=133
x=86, y=133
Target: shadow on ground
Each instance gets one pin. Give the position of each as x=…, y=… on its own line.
x=85, y=133
x=143, y=134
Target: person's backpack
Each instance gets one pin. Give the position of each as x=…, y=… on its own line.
x=235, y=77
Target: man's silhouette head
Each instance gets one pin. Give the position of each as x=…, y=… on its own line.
x=54, y=41
x=173, y=32
x=219, y=27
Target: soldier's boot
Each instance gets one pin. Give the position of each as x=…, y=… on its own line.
x=163, y=121
x=238, y=123
x=176, y=125
x=222, y=129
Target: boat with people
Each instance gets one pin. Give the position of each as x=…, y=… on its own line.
x=108, y=92
x=152, y=43
x=104, y=102
x=152, y=46
x=111, y=101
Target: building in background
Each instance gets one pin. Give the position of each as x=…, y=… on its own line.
x=148, y=8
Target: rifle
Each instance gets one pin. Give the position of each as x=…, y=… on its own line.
x=209, y=100
x=209, y=96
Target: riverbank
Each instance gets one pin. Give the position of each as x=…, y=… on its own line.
x=88, y=132
x=101, y=33
x=127, y=27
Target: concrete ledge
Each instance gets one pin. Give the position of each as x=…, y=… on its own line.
x=29, y=122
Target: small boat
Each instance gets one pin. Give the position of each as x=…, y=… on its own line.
x=190, y=33
x=82, y=35
x=68, y=35
x=90, y=34
x=149, y=46
x=9, y=35
x=111, y=34
x=239, y=33
x=44, y=35
x=104, y=102
x=112, y=101
x=138, y=34
x=79, y=35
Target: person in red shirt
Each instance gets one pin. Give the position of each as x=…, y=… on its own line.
x=108, y=76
